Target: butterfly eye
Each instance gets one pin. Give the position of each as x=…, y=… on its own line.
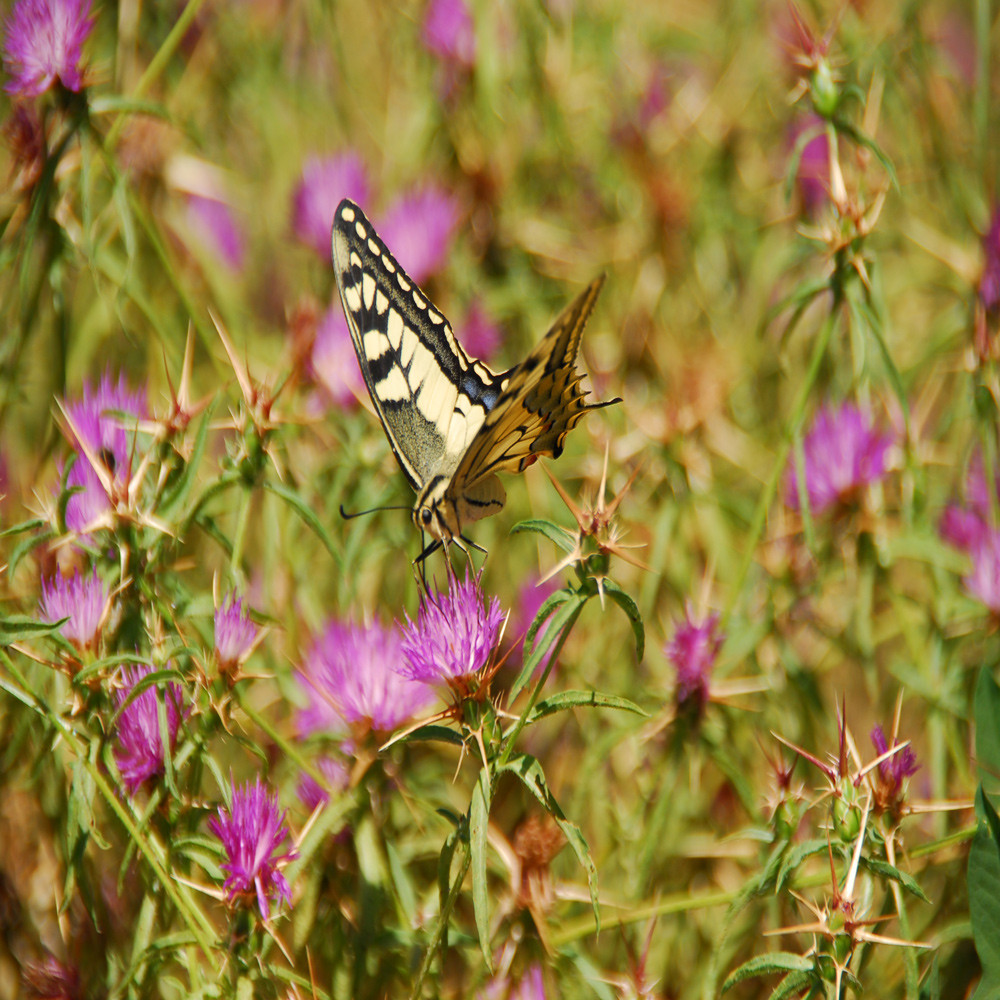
x=425, y=516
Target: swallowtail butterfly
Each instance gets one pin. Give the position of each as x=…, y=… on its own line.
x=452, y=423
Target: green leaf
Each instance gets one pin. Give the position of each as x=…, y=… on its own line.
x=986, y=710
x=529, y=771
x=306, y=513
x=17, y=529
x=15, y=628
x=581, y=699
x=548, y=606
x=886, y=870
x=555, y=533
x=625, y=602
x=479, y=820
x=984, y=896
x=766, y=965
x=434, y=734
x=559, y=627
x=791, y=985
x=179, y=491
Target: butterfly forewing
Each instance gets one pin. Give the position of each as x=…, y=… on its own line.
x=431, y=397
x=540, y=404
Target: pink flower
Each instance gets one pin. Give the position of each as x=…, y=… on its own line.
x=531, y=986
x=80, y=598
x=984, y=580
x=418, y=229
x=214, y=224
x=479, y=335
x=813, y=173
x=350, y=675
x=234, y=633
x=141, y=748
x=449, y=32
x=325, y=180
x=454, y=633
x=252, y=832
x=693, y=651
x=843, y=453
x=334, y=363
x=964, y=526
x=43, y=44
x=96, y=425
x=337, y=778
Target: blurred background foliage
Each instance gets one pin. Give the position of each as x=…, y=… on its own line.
x=651, y=141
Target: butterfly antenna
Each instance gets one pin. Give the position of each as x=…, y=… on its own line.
x=348, y=516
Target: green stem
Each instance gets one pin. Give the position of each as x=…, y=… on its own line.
x=147, y=844
x=159, y=62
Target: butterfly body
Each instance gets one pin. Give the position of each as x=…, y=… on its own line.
x=452, y=423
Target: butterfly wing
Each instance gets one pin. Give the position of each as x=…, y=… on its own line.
x=429, y=395
x=541, y=402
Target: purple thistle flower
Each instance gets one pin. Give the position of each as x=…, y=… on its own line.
x=213, y=222
x=333, y=362
x=141, y=749
x=480, y=336
x=531, y=986
x=50, y=979
x=350, y=676
x=252, y=832
x=843, y=452
x=965, y=526
x=984, y=580
x=107, y=438
x=693, y=651
x=813, y=175
x=449, y=32
x=324, y=181
x=234, y=633
x=419, y=228
x=43, y=43
x=989, y=282
x=83, y=599
x=454, y=634
x=337, y=777
x=898, y=767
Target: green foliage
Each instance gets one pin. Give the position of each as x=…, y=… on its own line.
x=792, y=208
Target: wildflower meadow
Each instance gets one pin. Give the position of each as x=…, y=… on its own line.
x=707, y=708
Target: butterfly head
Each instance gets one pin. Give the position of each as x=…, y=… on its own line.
x=437, y=515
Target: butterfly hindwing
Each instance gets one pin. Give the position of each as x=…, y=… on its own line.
x=540, y=404
x=430, y=396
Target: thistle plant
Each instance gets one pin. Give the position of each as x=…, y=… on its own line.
x=715, y=714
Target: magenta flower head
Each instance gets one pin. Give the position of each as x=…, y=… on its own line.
x=252, y=832
x=984, y=580
x=693, y=651
x=350, y=676
x=336, y=777
x=891, y=774
x=50, y=979
x=419, y=228
x=83, y=599
x=989, y=281
x=334, y=364
x=843, y=453
x=531, y=986
x=449, y=33
x=99, y=426
x=43, y=41
x=213, y=222
x=479, y=335
x=235, y=634
x=812, y=176
x=454, y=635
x=324, y=181
x=964, y=526
x=142, y=746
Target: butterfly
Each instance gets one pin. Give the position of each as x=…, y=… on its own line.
x=452, y=423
